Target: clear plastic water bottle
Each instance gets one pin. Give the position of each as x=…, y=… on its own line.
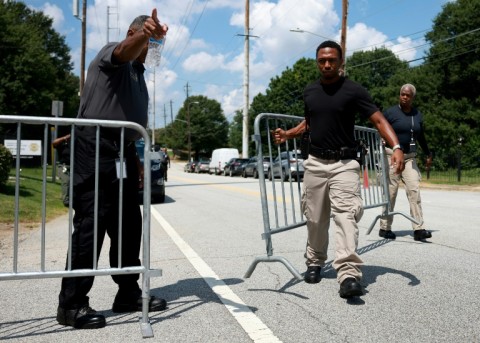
x=154, y=54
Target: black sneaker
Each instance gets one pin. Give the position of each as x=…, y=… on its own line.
x=387, y=234
x=81, y=318
x=350, y=288
x=312, y=275
x=420, y=235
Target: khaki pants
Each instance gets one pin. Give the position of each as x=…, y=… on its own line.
x=332, y=188
x=411, y=178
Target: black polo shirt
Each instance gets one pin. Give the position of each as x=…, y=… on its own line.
x=331, y=109
x=115, y=91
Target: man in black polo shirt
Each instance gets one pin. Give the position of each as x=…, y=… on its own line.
x=331, y=184
x=114, y=90
x=407, y=121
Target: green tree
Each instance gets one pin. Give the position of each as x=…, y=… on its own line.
x=36, y=66
x=373, y=70
x=6, y=160
x=452, y=62
x=285, y=92
x=235, y=133
x=208, y=127
x=455, y=40
x=283, y=95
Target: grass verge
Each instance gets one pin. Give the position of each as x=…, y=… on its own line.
x=30, y=197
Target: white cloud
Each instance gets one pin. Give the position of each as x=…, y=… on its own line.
x=361, y=37
x=55, y=12
x=271, y=52
x=202, y=62
x=231, y=102
x=405, y=48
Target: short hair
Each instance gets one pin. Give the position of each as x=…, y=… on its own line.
x=138, y=22
x=411, y=87
x=330, y=44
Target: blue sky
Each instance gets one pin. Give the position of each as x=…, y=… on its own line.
x=205, y=46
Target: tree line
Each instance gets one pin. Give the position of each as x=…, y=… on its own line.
x=36, y=68
x=447, y=82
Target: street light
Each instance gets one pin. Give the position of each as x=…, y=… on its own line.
x=188, y=128
x=312, y=33
x=342, y=44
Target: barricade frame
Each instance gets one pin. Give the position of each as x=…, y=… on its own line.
x=144, y=269
x=373, y=196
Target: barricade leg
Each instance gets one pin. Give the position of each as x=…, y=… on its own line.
x=280, y=259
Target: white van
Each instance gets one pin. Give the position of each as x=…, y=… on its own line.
x=219, y=158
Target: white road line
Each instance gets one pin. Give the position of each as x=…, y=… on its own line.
x=252, y=325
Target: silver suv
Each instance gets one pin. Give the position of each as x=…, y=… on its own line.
x=287, y=164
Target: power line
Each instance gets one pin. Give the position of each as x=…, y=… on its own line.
x=418, y=46
x=191, y=34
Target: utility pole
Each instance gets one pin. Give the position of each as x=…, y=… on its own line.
x=189, y=129
x=84, y=40
x=246, y=81
x=171, y=111
x=343, y=38
x=165, y=115
x=84, y=43
x=109, y=13
x=187, y=90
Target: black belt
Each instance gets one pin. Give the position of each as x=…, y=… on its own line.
x=326, y=154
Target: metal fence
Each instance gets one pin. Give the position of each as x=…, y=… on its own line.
x=281, y=191
x=40, y=269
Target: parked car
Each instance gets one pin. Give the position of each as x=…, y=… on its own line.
x=189, y=167
x=234, y=166
x=219, y=158
x=202, y=167
x=287, y=161
x=157, y=190
x=251, y=167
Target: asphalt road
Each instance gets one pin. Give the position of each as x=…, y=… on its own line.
x=205, y=236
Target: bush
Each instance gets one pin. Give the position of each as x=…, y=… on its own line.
x=6, y=160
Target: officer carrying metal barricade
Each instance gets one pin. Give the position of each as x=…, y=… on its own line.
x=281, y=191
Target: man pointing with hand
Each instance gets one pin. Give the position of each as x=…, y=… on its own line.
x=114, y=90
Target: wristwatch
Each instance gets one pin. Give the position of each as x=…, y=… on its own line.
x=395, y=147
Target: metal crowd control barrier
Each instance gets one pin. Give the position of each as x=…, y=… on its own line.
x=144, y=269
x=281, y=199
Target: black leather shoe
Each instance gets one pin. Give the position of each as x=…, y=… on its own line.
x=122, y=305
x=312, y=275
x=387, y=234
x=420, y=235
x=81, y=318
x=350, y=288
